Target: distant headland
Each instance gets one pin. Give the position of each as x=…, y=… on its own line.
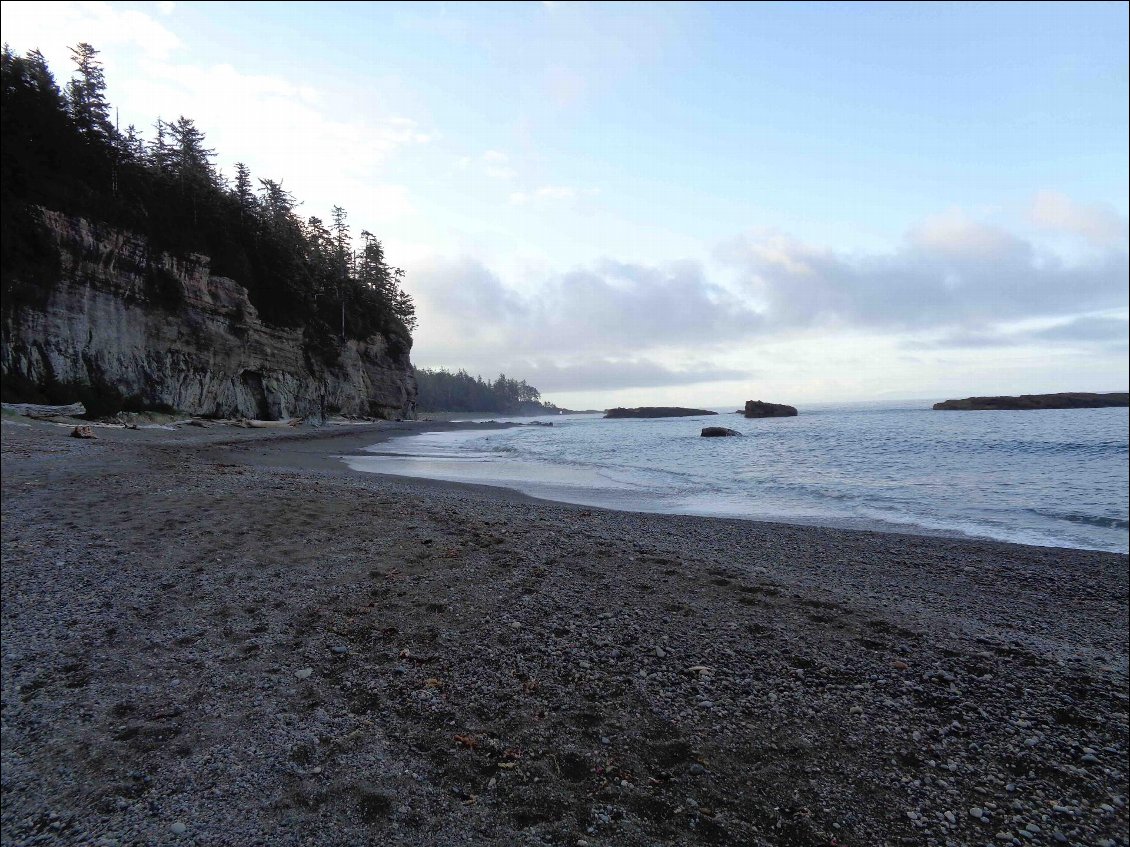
x=1068, y=400
x=656, y=412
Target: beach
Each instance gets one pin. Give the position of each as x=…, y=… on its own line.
x=226, y=637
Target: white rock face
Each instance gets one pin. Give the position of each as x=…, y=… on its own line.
x=104, y=325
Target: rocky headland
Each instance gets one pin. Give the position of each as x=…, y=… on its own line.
x=121, y=325
x=1024, y=402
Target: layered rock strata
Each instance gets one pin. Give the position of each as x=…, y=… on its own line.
x=192, y=343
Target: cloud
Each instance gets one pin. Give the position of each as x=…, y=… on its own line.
x=53, y=26
x=1084, y=330
x=952, y=283
x=611, y=374
x=614, y=307
x=551, y=193
x=950, y=272
x=1099, y=224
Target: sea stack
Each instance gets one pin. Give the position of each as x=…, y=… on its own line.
x=656, y=412
x=760, y=409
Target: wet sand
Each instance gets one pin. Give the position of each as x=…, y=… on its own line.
x=220, y=636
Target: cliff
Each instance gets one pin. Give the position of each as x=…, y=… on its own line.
x=1025, y=402
x=131, y=327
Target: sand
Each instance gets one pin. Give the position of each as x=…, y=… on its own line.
x=217, y=636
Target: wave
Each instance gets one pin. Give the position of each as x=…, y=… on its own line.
x=1100, y=521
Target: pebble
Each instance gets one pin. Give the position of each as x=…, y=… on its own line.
x=339, y=650
x=304, y=673
x=697, y=769
x=660, y=653
x=976, y=812
x=178, y=828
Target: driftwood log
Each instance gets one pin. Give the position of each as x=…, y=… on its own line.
x=34, y=410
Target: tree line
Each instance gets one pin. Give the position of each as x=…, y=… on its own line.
x=444, y=391
x=60, y=150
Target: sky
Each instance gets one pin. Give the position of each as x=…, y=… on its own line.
x=692, y=204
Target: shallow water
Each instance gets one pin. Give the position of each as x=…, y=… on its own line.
x=1053, y=477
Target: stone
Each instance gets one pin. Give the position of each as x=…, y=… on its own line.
x=304, y=673
x=718, y=432
x=178, y=828
x=83, y=432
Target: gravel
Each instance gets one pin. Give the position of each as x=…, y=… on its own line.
x=514, y=672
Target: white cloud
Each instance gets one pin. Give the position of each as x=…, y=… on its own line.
x=53, y=27
x=950, y=272
x=1099, y=224
x=551, y=193
x=954, y=284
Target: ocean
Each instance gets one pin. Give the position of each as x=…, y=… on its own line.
x=1055, y=478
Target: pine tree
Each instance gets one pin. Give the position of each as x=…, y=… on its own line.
x=86, y=94
x=243, y=195
x=189, y=160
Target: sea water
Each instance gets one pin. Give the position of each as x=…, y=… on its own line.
x=1055, y=478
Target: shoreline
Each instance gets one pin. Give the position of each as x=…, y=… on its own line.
x=233, y=636
x=406, y=429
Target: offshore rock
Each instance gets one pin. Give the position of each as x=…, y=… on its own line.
x=758, y=409
x=718, y=432
x=656, y=412
x=102, y=329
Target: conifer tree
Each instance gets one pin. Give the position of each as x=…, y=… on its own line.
x=86, y=94
x=243, y=194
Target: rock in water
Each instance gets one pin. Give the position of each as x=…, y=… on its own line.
x=759, y=409
x=656, y=412
x=718, y=432
x=83, y=432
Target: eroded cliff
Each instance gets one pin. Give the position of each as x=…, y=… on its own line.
x=146, y=330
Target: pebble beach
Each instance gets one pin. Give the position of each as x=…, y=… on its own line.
x=226, y=637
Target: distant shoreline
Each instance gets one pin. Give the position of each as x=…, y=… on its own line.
x=1034, y=402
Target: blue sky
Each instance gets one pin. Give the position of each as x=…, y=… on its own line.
x=701, y=203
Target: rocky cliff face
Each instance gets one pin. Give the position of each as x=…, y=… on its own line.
x=165, y=333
